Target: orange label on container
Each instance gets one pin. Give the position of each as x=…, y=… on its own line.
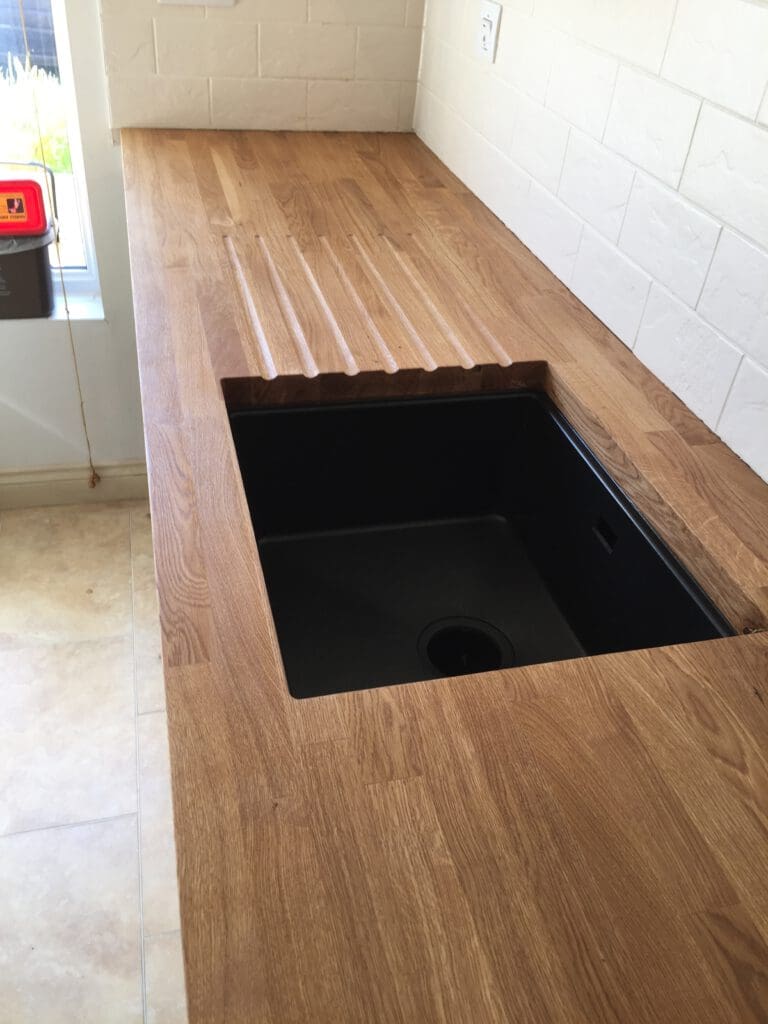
x=22, y=209
x=12, y=206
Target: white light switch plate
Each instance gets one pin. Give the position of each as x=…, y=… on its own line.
x=488, y=30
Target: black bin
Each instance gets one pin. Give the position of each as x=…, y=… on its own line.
x=26, y=285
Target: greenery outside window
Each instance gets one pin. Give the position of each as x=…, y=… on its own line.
x=40, y=88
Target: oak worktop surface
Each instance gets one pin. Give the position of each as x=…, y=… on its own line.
x=576, y=842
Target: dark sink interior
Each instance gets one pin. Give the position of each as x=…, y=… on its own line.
x=416, y=539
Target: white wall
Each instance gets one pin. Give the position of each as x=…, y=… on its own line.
x=274, y=64
x=626, y=144
x=39, y=409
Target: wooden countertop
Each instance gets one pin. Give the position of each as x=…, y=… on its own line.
x=578, y=842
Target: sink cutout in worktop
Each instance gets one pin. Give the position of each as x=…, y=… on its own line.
x=413, y=539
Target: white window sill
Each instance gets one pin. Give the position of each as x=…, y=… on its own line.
x=81, y=307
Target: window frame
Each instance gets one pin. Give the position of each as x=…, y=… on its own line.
x=82, y=283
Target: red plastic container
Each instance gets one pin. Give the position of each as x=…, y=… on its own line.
x=22, y=208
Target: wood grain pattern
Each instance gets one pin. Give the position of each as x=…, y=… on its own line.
x=579, y=842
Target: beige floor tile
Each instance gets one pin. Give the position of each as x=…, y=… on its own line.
x=67, y=734
x=150, y=687
x=142, y=560
x=158, y=852
x=65, y=574
x=166, y=1000
x=69, y=930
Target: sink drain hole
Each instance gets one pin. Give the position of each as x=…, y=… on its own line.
x=457, y=647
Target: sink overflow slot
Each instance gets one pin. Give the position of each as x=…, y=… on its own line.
x=605, y=534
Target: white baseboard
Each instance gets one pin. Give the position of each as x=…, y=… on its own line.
x=68, y=485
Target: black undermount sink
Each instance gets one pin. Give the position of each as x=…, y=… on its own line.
x=421, y=538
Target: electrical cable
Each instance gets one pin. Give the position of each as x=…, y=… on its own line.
x=94, y=476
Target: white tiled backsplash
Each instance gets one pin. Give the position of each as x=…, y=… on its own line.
x=626, y=144
x=292, y=64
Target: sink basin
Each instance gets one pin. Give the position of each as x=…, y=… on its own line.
x=413, y=539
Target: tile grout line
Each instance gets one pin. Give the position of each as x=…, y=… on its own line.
x=617, y=243
x=614, y=87
x=763, y=100
x=708, y=271
x=67, y=824
x=642, y=316
x=679, y=184
x=669, y=40
x=164, y=933
x=562, y=166
x=142, y=950
x=728, y=393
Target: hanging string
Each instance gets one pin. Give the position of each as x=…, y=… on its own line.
x=94, y=476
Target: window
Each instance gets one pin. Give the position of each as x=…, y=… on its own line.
x=42, y=88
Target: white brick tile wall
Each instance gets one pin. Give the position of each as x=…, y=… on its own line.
x=633, y=30
x=581, y=84
x=129, y=46
x=735, y=296
x=353, y=106
x=307, y=51
x=497, y=181
x=446, y=19
x=596, y=184
x=551, y=231
x=435, y=63
x=611, y=285
x=719, y=49
x=254, y=64
x=762, y=117
x=539, y=141
x=644, y=127
x=524, y=54
x=496, y=104
x=359, y=12
x=166, y=102
x=668, y=237
x=744, y=423
x=387, y=54
x=651, y=124
x=727, y=172
x=258, y=103
x=254, y=11
x=140, y=7
x=414, y=14
x=206, y=48
x=690, y=357
x=406, y=106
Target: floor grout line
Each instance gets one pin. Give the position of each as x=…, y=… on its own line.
x=68, y=824
x=164, y=934
x=29, y=644
x=142, y=937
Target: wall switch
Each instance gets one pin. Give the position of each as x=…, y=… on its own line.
x=488, y=30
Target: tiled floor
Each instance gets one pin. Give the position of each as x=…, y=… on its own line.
x=89, y=921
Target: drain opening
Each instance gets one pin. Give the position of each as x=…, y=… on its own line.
x=461, y=646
